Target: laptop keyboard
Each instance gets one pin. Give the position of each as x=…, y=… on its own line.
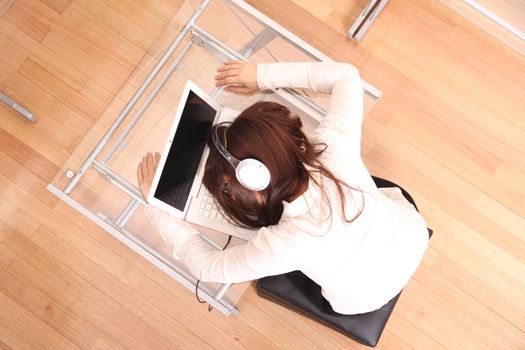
x=209, y=209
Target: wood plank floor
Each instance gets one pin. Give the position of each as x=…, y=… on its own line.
x=450, y=128
x=510, y=11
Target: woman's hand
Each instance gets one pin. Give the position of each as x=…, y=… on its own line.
x=239, y=76
x=146, y=172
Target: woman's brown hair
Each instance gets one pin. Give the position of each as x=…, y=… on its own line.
x=265, y=131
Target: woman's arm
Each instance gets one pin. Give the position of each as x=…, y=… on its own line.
x=241, y=263
x=342, y=123
x=236, y=264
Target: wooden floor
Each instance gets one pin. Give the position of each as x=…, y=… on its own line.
x=512, y=12
x=450, y=127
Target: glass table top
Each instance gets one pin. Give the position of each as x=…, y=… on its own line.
x=100, y=175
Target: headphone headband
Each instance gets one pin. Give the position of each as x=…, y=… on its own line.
x=222, y=150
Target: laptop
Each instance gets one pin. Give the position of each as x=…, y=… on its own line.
x=177, y=186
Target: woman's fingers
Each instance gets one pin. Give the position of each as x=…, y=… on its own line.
x=148, y=166
x=229, y=80
x=233, y=80
x=151, y=166
x=146, y=172
x=235, y=62
x=157, y=159
x=142, y=168
x=238, y=76
x=230, y=67
x=228, y=73
x=240, y=90
x=140, y=177
x=231, y=64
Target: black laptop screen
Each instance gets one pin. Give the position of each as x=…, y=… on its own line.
x=185, y=152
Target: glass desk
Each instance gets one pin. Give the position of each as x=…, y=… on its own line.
x=99, y=179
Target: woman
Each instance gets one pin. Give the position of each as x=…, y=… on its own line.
x=321, y=213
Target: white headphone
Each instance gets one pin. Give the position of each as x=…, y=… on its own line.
x=250, y=172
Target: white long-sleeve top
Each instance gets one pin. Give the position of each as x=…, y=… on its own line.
x=361, y=265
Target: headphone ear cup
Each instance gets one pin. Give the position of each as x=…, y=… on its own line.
x=253, y=174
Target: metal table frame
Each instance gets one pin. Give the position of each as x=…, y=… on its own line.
x=202, y=38
x=365, y=19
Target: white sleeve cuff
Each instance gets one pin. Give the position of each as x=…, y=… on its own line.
x=262, y=72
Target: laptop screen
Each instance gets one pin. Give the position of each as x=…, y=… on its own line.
x=185, y=153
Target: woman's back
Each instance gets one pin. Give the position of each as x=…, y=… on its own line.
x=360, y=265
x=327, y=218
